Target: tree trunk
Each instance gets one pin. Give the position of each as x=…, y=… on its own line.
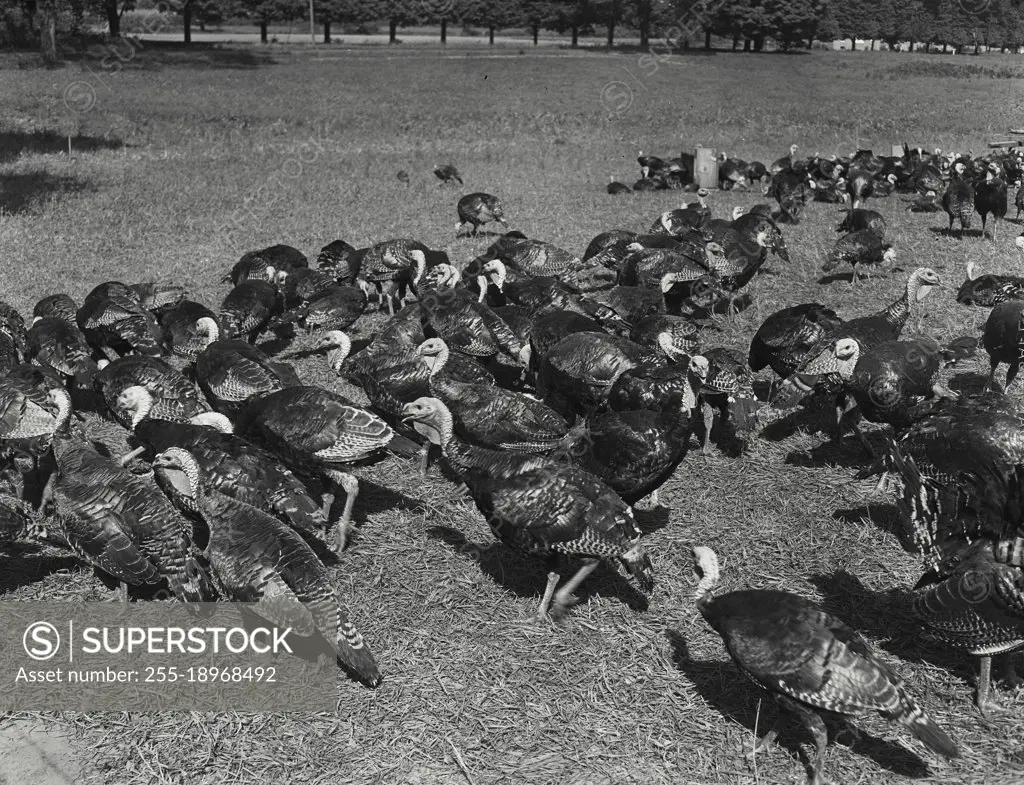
x=575, y=36
x=536, y=33
x=113, y=18
x=872, y=44
x=48, y=32
x=186, y=17
x=735, y=41
x=490, y=36
x=611, y=33
x=853, y=44
x=746, y=44
x=707, y=38
x=392, y=30
x=263, y=31
x=444, y=31
x=911, y=45
x=759, y=43
x=327, y=31
x=645, y=35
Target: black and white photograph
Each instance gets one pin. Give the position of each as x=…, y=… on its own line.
x=511, y=392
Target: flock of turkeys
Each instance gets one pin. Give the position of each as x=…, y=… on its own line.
x=561, y=389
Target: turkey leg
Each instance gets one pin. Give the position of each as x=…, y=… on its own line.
x=350, y=485
x=564, y=598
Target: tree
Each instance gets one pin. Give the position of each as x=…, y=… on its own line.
x=112, y=11
x=492, y=14
x=791, y=21
x=571, y=16
x=48, y=31
x=263, y=12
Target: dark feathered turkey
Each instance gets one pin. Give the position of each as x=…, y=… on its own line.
x=249, y=308
x=57, y=343
x=113, y=320
x=787, y=338
x=863, y=247
x=267, y=264
x=257, y=559
x=990, y=197
x=447, y=173
x=341, y=260
x=989, y=289
x=477, y=209
x=318, y=431
x=12, y=337
x=958, y=199
x=175, y=397
x=231, y=372
x=334, y=308
x=122, y=524
x=857, y=220
x=189, y=327
x=810, y=661
x=1003, y=338
x=974, y=600
x=158, y=297
x=240, y=469
x=542, y=507
x=390, y=268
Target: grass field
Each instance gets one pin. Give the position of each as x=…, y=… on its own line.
x=184, y=161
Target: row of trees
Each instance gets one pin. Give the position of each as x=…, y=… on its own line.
x=677, y=23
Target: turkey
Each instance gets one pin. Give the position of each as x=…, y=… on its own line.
x=792, y=190
x=306, y=284
x=651, y=165
x=341, y=260
x=114, y=321
x=632, y=451
x=615, y=188
x=158, y=297
x=488, y=415
x=690, y=216
x=175, y=397
x=248, y=309
x=576, y=374
x=990, y=197
x=231, y=372
x=785, y=162
x=56, y=342
x=857, y=220
x=887, y=382
x=390, y=268
x=236, y=468
x=513, y=258
x=974, y=600
x=1003, y=339
x=257, y=559
x=33, y=406
x=447, y=173
x=477, y=209
x=859, y=185
x=958, y=473
x=928, y=202
x=989, y=289
x=862, y=247
x=654, y=387
x=334, y=308
x=122, y=524
x=317, y=431
x=189, y=328
x=758, y=234
x=271, y=265
x=673, y=335
x=609, y=245
x=786, y=339
x=12, y=337
x=810, y=661
x=732, y=172
x=958, y=199
x=542, y=508
x=869, y=331
x=1018, y=200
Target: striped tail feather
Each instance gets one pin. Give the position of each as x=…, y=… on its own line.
x=356, y=656
x=924, y=727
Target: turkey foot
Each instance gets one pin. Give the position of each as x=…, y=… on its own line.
x=564, y=598
x=545, y=602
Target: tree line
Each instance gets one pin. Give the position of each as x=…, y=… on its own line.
x=677, y=24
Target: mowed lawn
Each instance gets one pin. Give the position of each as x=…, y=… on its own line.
x=184, y=162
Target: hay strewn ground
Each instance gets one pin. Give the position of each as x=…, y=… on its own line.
x=183, y=162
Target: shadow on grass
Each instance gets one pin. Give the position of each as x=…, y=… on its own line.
x=113, y=55
x=525, y=576
x=14, y=143
x=20, y=192
x=28, y=563
x=736, y=698
x=957, y=234
x=970, y=383
x=888, y=616
x=849, y=453
x=885, y=515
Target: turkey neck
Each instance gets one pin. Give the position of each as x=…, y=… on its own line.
x=898, y=313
